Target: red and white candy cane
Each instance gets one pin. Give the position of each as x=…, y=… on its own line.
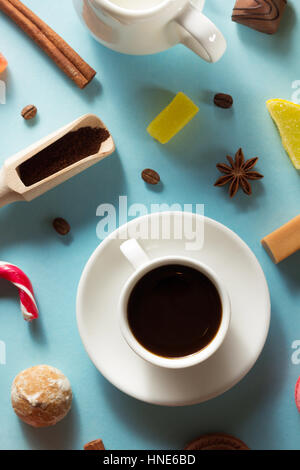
x=21, y=281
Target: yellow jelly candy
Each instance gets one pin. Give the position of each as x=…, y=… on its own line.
x=173, y=118
x=287, y=118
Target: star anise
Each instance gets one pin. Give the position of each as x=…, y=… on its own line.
x=237, y=173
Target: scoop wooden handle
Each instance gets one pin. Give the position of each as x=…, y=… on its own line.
x=7, y=195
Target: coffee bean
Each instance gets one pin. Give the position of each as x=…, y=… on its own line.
x=29, y=112
x=150, y=176
x=223, y=101
x=61, y=226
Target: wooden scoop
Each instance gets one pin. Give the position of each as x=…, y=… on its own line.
x=12, y=188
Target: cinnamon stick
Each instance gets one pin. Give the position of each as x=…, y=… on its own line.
x=57, y=40
x=49, y=41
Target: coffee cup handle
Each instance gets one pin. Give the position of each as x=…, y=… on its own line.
x=201, y=35
x=134, y=253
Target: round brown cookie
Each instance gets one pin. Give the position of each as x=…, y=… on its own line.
x=217, y=441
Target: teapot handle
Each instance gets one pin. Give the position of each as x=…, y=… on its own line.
x=201, y=35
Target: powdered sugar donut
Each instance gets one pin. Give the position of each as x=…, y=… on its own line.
x=41, y=396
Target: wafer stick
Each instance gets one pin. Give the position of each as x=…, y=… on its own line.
x=284, y=241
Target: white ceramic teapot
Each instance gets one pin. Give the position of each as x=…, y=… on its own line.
x=150, y=26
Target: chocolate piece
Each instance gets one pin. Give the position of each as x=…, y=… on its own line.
x=94, y=445
x=262, y=15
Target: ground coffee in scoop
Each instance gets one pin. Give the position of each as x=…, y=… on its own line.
x=70, y=149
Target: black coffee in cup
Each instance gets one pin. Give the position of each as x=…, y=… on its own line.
x=174, y=311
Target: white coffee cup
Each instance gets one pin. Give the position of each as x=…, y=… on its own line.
x=151, y=30
x=142, y=265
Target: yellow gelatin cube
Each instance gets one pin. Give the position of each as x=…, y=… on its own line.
x=286, y=115
x=173, y=118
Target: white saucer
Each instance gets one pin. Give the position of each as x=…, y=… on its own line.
x=97, y=317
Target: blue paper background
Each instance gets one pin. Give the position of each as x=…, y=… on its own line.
x=128, y=93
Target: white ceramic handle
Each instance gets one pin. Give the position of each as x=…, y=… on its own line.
x=135, y=254
x=201, y=35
